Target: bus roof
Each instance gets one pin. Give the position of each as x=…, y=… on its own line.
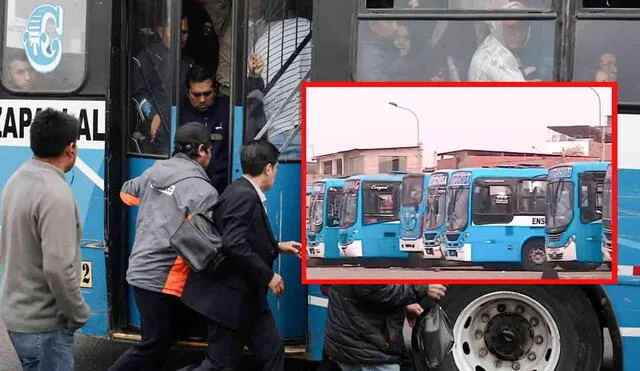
x=504, y=172
x=377, y=177
x=585, y=166
x=331, y=182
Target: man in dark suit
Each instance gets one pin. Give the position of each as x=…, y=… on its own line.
x=234, y=300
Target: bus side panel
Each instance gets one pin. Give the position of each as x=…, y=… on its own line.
x=136, y=167
x=316, y=317
x=624, y=299
x=283, y=208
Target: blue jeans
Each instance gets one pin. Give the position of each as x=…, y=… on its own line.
x=44, y=351
x=369, y=368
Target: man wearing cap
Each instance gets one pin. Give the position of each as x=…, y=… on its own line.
x=164, y=193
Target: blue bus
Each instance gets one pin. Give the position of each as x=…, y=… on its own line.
x=606, y=218
x=370, y=221
x=414, y=188
x=574, y=214
x=324, y=219
x=435, y=217
x=496, y=215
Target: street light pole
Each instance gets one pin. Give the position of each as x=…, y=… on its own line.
x=600, y=123
x=417, y=128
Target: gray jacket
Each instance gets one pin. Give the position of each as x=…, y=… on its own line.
x=164, y=193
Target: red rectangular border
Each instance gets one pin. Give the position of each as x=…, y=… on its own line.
x=614, y=162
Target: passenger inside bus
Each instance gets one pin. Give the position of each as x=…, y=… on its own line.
x=496, y=59
x=151, y=81
x=20, y=75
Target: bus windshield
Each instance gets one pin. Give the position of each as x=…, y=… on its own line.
x=381, y=202
x=412, y=191
x=349, y=207
x=608, y=196
x=457, y=208
x=435, y=216
x=335, y=197
x=559, y=204
x=315, y=212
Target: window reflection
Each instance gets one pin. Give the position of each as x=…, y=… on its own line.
x=452, y=4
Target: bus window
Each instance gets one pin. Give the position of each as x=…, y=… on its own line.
x=279, y=34
x=532, y=197
x=151, y=87
x=559, y=204
x=604, y=51
x=455, y=50
x=350, y=208
x=591, y=193
x=315, y=221
x=437, y=202
x=492, y=204
x=380, y=203
x=335, y=198
x=610, y=4
x=412, y=191
x=44, y=57
x=457, y=208
x=451, y=4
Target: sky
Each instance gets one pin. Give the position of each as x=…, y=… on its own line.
x=450, y=118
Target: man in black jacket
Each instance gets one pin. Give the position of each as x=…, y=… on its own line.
x=365, y=322
x=234, y=300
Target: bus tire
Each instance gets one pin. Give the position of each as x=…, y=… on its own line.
x=533, y=256
x=561, y=310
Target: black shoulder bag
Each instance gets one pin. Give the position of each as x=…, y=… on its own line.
x=198, y=242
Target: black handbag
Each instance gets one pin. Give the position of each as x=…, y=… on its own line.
x=431, y=339
x=198, y=242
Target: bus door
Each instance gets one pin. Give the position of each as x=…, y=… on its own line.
x=279, y=32
x=48, y=61
x=154, y=92
x=591, y=191
x=381, y=219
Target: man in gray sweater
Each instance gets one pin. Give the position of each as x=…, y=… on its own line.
x=40, y=299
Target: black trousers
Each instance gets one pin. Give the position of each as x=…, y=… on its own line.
x=161, y=315
x=224, y=351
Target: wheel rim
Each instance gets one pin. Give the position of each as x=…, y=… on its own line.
x=506, y=330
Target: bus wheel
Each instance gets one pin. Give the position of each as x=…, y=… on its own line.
x=534, y=256
x=523, y=327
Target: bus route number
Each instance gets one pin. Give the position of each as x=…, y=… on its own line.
x=86, y=279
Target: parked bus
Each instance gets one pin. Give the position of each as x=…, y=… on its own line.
x=496, y=215
x=606, y=218
x=574, y=214
x=435, y=217
x=370, y=221
x=414, y=188
x=567, y=41
x=324, y=221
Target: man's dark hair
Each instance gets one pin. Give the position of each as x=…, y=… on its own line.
x=52, y=131
x=199, y=73
x=255, y=156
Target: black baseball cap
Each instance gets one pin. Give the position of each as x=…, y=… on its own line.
x=191, y=134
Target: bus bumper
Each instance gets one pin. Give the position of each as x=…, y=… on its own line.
x=567, y=253
x=411, y=245
x=352, y=250
x=463, y=254
x=433, y=251
x=316, y=251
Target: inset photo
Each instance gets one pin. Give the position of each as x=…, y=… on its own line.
x=460, y=182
